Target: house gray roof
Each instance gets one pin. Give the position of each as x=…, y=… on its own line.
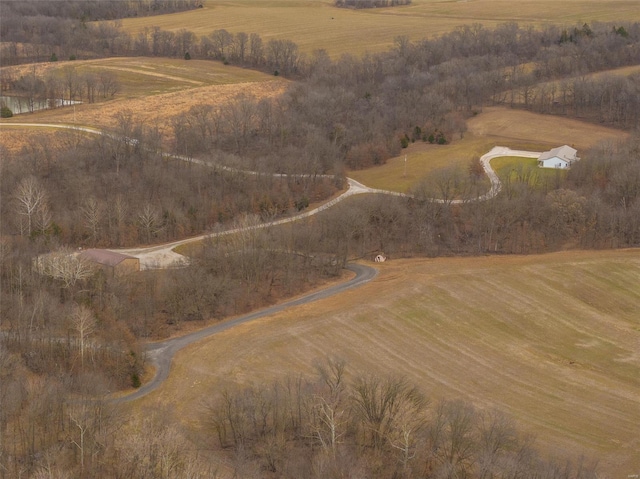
x=564, y=152
x=105, y=257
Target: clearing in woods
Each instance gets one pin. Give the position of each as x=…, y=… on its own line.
x=550, y=339
x=495, y=126
x=317, y=24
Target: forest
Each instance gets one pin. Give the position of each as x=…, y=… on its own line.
x=76, y=339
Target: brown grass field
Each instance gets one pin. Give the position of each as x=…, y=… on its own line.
x=316, y=24
x=553, y=340
x=153, y=89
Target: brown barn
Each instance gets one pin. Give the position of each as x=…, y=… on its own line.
x=111, y=261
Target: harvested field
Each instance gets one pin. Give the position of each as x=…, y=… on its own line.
x=318, y=24
x=550, y=339
x=495, y=126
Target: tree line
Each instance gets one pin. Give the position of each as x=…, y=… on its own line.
x=333, y=424
x=370, y=3
x=341, y=424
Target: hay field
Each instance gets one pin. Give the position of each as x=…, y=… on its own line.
x=553, y=340
x=495, y=126
x=315, y=24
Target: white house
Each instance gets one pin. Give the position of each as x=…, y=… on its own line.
x=561, y=157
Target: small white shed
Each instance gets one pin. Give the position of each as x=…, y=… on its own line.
x=560, y=157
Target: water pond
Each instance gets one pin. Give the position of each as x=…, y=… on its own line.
x=19, y=104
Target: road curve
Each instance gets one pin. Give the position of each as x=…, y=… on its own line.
x=161, y=353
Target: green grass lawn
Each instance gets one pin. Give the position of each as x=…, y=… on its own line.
x=422, y=160
x=525, y=170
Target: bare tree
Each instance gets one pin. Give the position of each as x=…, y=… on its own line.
x=256, y=49
x=119, y=213
x=72, y=83
x=84, y=324
x=31, y=198
x=91, y=86
x=92, y=216
x=452, y=438
x=329, y=413
x=64, y=265
x=240, y=46
x=221, y=41
x=108, y=83
x=378, y=404
x=150, y=221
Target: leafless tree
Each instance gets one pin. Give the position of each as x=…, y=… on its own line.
x=240, y=46
x=31, y=198
x=84, y=324
x=221, y=41
x=378, y=404
x=108, y=83
x=150, y=221
x=72, y=83
x=256, y=49
x=64, y=265
x=92, y=217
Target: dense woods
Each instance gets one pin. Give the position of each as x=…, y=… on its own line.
x=68, y=340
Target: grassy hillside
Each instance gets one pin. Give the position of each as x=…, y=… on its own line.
x=153, y=89
x=550, y=339
x=317, y=24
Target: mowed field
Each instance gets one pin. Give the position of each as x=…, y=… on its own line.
x=553, y=340
x=495, y=126
x=317, y=24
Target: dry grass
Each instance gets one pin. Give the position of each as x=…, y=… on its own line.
x=153, y=89
x=315, y=24
x=494, y=126
x=517, y=127
x=14, y=140
x=550, y=339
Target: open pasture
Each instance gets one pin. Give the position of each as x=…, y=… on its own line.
x=552, y=340
x=494, y=126
x=317, y=24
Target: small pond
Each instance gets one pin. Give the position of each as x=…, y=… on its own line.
x=19, y=104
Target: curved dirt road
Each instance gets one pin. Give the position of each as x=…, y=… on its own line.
x=163, y=256
x=161, y=353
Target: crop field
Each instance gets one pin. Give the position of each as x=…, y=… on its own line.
x=550, y=339
x=495, y=126
x=317, y=24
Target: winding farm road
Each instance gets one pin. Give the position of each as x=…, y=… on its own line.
x=161, y=353
x=163, y=256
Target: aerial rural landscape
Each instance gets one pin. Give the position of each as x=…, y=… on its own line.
x=319, y=239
